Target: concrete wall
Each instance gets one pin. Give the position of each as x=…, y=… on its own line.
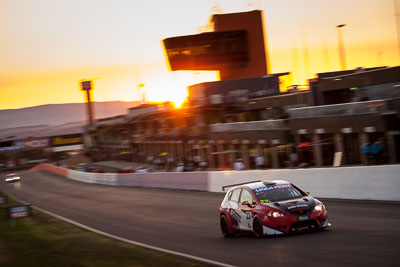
x=366, y=182
x=169, y=180
x=363, y=183
x=93, y=178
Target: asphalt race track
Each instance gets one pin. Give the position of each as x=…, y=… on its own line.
x=363, y=233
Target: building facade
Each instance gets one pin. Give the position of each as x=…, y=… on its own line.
x=286, y=129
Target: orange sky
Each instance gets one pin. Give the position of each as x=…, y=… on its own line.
x=47, y=46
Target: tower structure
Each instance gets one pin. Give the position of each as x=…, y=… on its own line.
x=237, y=47
x=258, y=59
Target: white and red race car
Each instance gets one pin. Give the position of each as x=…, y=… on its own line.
x=270, y=208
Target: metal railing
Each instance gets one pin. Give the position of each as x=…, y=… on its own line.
x=248, y=126
x=374, y=106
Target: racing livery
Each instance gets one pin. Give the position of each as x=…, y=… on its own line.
x=270, y=208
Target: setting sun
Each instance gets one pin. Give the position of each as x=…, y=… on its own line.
x=173, y=86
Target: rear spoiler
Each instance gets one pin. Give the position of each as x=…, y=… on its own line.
x=231, y=185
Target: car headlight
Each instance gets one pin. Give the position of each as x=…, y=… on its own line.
x=275, y=214
x=319, y=207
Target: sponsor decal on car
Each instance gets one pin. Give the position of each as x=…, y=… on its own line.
x=267, y=188
x=235, y=215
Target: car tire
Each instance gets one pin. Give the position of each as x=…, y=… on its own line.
x=258, y=227
x=225, y=226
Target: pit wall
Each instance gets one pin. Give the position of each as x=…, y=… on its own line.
x=360, y=183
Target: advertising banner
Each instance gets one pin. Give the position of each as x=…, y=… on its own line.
x=66, y=140
x=36, y=143
x=15, y=146
x=3, y=200
x=19, y=212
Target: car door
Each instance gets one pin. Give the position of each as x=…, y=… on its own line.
x=234, y=207
x=246, y=200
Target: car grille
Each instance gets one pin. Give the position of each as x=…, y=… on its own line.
x=300, y=212
x=303, y=226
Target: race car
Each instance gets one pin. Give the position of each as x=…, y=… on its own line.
x=270, y=208
x=12, y=178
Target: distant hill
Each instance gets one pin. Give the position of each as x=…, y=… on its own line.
x=57, y=114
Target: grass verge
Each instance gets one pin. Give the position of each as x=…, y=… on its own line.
x=45, y=241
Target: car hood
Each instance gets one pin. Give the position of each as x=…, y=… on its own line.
x=298, y=206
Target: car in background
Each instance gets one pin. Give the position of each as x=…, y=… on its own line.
x=96, y=170
x=126, y=170
x=270, y=208
x=12, y=178
x=142, y=170
x=81, y=167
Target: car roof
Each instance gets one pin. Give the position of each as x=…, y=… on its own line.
x=266, y=183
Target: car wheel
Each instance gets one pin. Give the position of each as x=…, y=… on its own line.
x=257, y=227
x=225, y=226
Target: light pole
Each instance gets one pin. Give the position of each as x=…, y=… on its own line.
x=342, y=52
x=86, y=85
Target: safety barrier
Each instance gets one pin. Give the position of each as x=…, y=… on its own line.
x=168, y=180
x=93, y=178
x=51, y=168
x=361, y=183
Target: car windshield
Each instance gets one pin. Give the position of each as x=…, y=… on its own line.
x=272, y=193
